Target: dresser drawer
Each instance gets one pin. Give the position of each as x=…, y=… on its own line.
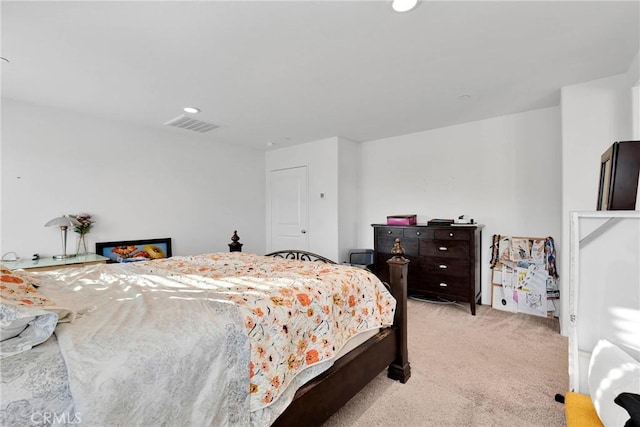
x=445, y=248
x=390, y=232
x=452, y=233
x=444, y=284
x=418, y=233
x=450, y=267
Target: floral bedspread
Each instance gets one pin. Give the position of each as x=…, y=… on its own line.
x=296, y=313
x=203, y=340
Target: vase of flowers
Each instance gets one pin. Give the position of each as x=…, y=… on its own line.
x=83, y=228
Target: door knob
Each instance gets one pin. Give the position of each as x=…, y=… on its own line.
x=303, y=231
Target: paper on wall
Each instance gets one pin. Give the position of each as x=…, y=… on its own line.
x=532, y=295
x=532, y=303
x=537, y=251
x=520, y=249
x=520, y=276
x=536, y=278
x=503, y=299
x=504, y=247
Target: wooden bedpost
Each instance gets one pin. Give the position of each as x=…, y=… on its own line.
x=235, y=246
x=400, y=369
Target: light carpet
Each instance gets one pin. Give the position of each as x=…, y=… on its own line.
x=492, y=369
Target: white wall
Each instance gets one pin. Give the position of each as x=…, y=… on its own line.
x=348, y=190
x=633, y=78
x=136, y=182
x=503, y=172
x=595, y=114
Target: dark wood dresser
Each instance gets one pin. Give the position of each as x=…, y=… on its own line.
x=445, y=260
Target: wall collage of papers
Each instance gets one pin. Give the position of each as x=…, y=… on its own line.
x=524, y=276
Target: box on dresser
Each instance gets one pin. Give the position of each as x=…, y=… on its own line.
x=445, y=260
x=402, y=220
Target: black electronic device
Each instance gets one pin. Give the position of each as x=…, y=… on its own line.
x=361, y=257
x=440, y=221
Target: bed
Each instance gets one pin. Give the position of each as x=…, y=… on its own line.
x=213, y=339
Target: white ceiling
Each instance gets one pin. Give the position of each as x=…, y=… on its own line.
x=289, y=72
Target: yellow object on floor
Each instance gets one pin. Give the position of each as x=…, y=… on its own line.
x=579, y=411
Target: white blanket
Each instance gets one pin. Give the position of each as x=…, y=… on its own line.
x=142, y=341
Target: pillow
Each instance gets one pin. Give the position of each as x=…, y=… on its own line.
x=12, y=328
x=611, y=372
x=24, y=327
x=27, y=318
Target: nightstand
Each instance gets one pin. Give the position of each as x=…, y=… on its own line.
x=49, y=263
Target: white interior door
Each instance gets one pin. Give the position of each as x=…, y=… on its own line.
x=289, y=209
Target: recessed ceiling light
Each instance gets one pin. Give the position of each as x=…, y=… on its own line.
x=404, y=5
x=192, y=110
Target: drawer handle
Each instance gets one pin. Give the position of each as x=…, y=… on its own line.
x=443, y=248
x=450, y=234
x=444, y=285
x=389, y=231
x=442, y=266
x=417, y=233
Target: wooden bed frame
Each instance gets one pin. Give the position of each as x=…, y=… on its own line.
x=321, y=397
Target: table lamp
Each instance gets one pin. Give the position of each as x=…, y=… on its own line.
x=64, y=222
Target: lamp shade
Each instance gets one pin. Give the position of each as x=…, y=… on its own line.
x=63, y=221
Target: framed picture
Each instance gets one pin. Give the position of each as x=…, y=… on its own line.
x=619, y=176
x=135, y=250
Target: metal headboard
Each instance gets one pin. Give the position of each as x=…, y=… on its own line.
x=300, y=255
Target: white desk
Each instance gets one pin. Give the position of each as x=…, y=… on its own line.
x=49, y=263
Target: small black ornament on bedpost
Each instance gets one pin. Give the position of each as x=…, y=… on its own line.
x=398, y=268
x=235, y=246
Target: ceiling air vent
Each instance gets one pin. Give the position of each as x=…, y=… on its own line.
x=190, y=123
